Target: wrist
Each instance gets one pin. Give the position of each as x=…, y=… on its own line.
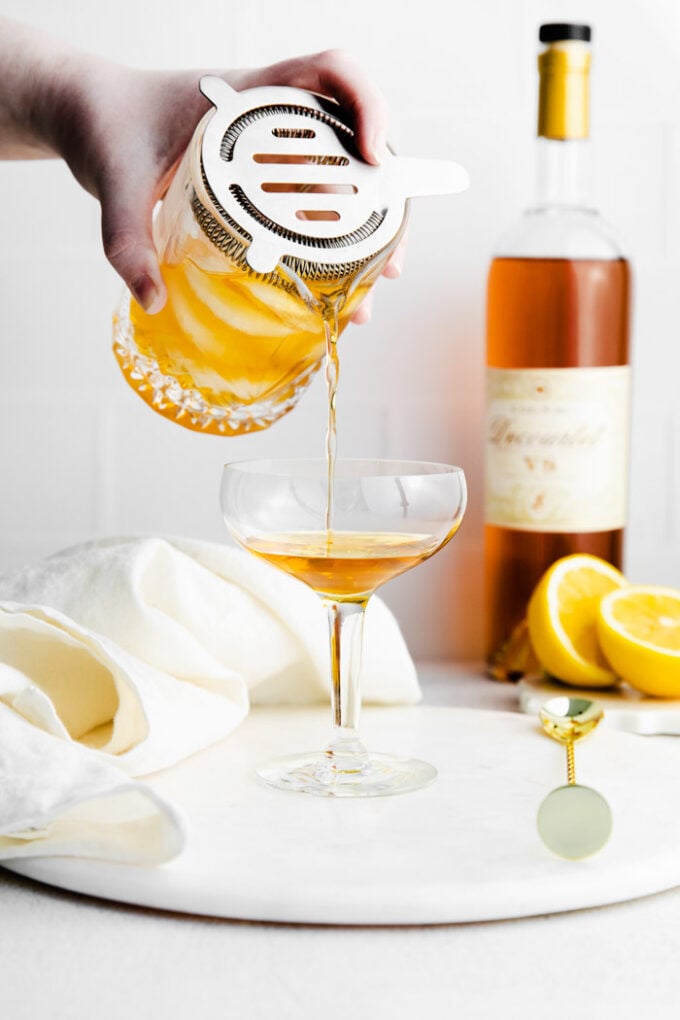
x=57, y=101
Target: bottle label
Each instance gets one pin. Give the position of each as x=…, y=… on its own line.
x=557, y=448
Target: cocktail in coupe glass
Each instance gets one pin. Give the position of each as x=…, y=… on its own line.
x=344, y=536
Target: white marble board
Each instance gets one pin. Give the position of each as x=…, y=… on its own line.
x=464, y=849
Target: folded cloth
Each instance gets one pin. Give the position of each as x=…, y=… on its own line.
x=135, y=653
x=82, y=687
x=59, y=798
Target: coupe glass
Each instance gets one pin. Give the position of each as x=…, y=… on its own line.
x=344, y=536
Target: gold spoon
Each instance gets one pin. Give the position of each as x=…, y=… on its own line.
x=573, y=821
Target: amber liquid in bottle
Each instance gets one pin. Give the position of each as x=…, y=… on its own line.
x=549, y=313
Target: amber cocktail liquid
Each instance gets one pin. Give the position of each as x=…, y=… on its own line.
x=347, y=566
x=235, y=342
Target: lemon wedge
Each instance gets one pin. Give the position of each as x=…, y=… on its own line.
x=638, y=629
x=562, y=617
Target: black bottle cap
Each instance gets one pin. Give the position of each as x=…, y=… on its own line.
x=557, y=33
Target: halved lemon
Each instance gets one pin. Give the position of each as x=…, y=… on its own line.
x=638, y=629
x=562, y=617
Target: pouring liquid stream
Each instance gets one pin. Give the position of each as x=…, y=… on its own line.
x=332, y=372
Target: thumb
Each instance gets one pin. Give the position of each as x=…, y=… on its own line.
x=128, y=245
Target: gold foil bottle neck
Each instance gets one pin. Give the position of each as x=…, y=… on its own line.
x=563, y=95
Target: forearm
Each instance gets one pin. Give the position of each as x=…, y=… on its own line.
x=122, y=131
x=37, y=73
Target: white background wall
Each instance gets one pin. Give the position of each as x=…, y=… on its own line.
x=81, y=456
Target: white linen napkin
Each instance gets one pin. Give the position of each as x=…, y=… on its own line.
x=122, y=657
x=59, y=798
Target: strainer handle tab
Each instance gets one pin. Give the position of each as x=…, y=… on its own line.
x=217, y=90
x=278, y=166
x=412, y=178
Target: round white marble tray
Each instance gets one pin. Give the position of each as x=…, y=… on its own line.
x=464, y=849
x=625, y=708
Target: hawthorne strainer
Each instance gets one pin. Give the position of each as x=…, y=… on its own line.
x=281, y=181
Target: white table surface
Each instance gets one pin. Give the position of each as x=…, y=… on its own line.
x=67, y=957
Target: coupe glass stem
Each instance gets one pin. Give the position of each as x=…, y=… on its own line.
x=346, y=624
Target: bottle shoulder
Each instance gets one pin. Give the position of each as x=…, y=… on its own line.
x=560, y=232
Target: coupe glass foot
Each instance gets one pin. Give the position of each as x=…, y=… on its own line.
x=378, y=775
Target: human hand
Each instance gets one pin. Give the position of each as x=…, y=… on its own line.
x=127, y=161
